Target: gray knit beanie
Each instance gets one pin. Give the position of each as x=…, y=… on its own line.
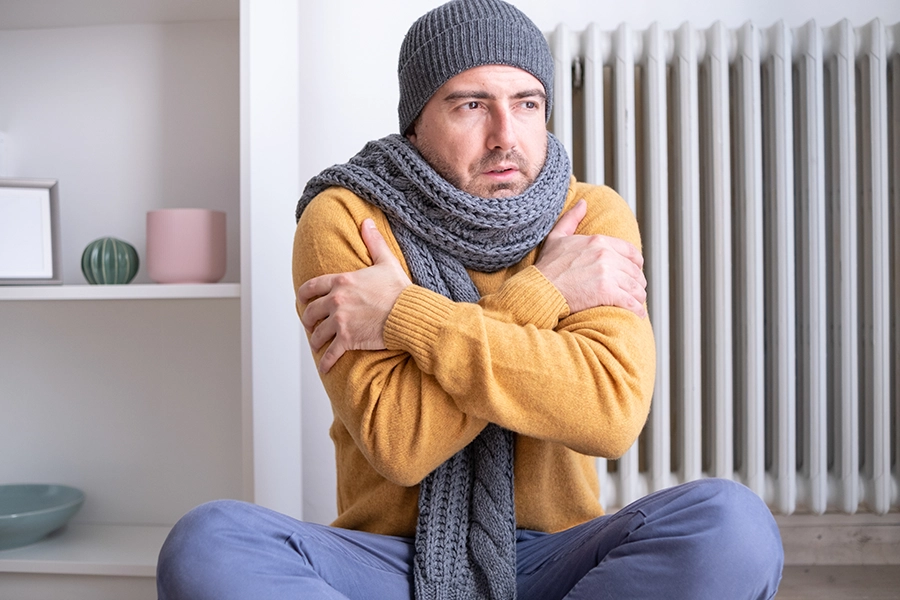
x=463, y=34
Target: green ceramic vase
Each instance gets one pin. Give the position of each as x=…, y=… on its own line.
x=108, y=260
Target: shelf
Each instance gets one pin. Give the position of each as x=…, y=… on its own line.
x=121, y=292
x=112, y=550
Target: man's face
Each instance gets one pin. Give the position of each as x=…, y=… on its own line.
x=484, y=131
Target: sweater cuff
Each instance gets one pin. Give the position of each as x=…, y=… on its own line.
x=532, y=300
x=414, y=323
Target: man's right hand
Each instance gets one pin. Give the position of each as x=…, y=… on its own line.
x=592, y=270
x=349, y=310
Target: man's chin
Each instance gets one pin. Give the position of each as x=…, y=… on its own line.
x=499, y=190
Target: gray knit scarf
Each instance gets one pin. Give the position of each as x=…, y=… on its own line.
x=465, y=534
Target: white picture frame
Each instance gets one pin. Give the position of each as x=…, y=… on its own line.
x=29, y=232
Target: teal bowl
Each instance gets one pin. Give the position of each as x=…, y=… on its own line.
x=29, y=512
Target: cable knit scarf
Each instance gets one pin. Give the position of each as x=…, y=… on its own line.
x=465, y=534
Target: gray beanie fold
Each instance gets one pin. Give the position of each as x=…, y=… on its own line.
x=461, y=35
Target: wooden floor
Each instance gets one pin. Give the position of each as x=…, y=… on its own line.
x=831, y=582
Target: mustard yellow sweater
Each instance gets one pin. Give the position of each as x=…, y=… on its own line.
x=572, y=386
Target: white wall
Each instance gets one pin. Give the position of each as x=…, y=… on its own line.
x=348, y=52
x=270, y=185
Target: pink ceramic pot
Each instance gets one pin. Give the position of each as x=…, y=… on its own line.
x=185, y=245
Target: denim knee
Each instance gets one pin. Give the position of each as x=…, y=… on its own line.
x=188, y=545
x=745, y=536
x=710, y=539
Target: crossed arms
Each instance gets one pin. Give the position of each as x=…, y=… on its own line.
x=350, y=309
x=548, y=351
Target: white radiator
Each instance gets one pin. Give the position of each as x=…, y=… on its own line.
x=764, y=168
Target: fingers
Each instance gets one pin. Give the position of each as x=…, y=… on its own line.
x=378, y=248
x=633, y=282
x=621, y=283
x=315, y=287
x=331, y=356
x=632, y=263
x=316, y=322
x=634, y=295
x=627, y=250
x=634, y=306
x=568, y=223
x=311, y=294
x=323, y=329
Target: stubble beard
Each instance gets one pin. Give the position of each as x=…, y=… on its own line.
x=472, y=185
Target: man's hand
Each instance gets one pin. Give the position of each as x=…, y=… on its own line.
x=592, y=270
x=350, y=309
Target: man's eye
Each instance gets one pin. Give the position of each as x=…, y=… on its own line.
x=472, y=105
x=530, y=104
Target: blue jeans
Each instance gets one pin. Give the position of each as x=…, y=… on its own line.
x=710, y=539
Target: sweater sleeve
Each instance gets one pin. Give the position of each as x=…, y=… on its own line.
x=516, y=358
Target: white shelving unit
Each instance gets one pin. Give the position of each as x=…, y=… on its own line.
x=103, y=550
x=134, y=393
x=152, y=398
x=121, y=292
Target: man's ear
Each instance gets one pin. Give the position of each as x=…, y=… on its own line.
x=410, y=132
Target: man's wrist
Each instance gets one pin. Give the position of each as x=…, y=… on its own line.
x=532, y=299
x=415, y=321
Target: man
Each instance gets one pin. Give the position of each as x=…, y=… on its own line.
x=478, y=320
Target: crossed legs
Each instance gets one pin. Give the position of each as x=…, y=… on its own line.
x=707, y=539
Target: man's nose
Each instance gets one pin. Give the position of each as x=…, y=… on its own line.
x=502, y=132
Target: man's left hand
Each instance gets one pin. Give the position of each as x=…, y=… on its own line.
x=350, y=309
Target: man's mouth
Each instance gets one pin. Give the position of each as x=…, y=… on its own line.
x=503, y=168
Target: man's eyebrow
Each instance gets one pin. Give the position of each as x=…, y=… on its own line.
x=482, y=95
x=531, y=94
x=466, y=94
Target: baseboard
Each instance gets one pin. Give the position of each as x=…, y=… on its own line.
x=838, y=539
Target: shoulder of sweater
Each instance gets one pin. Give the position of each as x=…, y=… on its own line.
x=593, y=192
x=335, y=216
x=608, y=213
x=338, y=210
x=337, y=203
